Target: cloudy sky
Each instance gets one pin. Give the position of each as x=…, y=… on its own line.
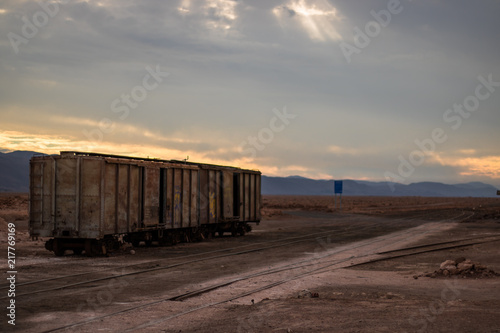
x=378, y=90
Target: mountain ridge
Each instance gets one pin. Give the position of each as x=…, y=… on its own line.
x=306, y=186
x=14, y=171
x=14, y=177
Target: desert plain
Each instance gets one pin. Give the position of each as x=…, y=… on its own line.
x=375, y=265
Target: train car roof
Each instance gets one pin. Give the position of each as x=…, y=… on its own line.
x=202, y=165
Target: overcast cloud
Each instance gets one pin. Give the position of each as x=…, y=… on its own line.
x=203, y=78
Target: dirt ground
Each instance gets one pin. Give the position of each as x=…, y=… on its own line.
x=292, y=273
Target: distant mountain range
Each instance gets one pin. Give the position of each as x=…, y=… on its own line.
x=14, y=177
x=15, y=171
x=296, y=185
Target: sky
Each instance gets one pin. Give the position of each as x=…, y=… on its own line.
x=403, y=91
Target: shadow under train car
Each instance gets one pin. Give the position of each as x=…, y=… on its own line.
x=94, y=202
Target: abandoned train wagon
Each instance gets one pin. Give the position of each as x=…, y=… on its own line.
x=92, y=202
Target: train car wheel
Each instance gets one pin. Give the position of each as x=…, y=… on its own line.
x=58, y=248
x=234, y=230
x=90, y=247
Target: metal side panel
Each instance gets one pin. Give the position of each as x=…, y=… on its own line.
x=252, y=197
x=36, y=195
x=203, y=196
x=90, y=198
x=40, y=223
x=218, y=193
x=186, y=196
x=194, y=218
x=151, y=196
x=177, y=203
x=110, y=190
x=48, y=190
x=66, y=188
x=242, y=196
x=212, y=196
x=134, y=198
x=246, y=203
x=258, y=197
x=227, y=194
x=169, y=198
x=122, y=199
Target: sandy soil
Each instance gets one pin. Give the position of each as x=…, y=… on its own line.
x=318, y=291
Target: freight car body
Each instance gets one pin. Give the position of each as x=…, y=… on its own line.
x=92, y=202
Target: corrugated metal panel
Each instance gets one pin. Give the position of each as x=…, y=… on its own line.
x=212, y=197
x=36, y=197
x=65, y=190
x=227, y=194
x=122, y=202
x=151, y=196
x=135, y=198
x=242, y=196
x=258, y=197
x=177, y=192
x=218, y=194
x=49, y=193
x=194, y=220
x=246, y=202
x=90, y=203
x=204, y=197
x=110, y=190
x=252, y=197
x=169, y=198
x=186, y=195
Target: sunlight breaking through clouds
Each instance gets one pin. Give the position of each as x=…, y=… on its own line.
x=220, y=14
x=318, y=18
x=185, y=6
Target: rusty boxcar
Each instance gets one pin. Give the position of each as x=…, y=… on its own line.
x=91, y=202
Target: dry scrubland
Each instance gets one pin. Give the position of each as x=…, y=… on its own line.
x=483, y=208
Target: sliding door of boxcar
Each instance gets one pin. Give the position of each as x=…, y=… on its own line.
x=181, y=198
x=250, y=196
x=209, y=196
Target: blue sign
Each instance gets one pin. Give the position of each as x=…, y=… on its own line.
x=338, y=186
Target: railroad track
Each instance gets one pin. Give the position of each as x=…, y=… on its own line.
x=197, y=258
x=58, y=283
x=328, y=266
x=202, y=256
x=312, y=266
